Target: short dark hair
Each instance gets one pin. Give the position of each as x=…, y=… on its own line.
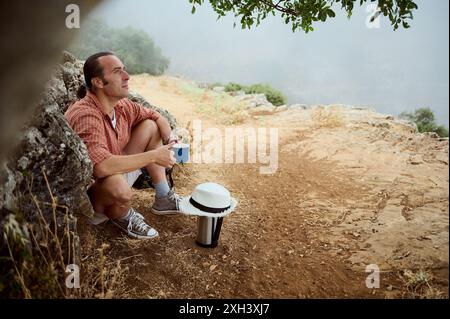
x=92, y=68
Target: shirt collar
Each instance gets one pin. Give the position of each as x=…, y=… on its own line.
x=93, y=98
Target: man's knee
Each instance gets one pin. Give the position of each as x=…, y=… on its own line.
x=116, y=188
x=147, y=132
x=120, y=190
x=149, y=126
x=122, y=194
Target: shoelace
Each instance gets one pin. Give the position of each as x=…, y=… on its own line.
x=137, y=221
x=174, y=196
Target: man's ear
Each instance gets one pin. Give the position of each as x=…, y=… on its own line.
x=97, y=82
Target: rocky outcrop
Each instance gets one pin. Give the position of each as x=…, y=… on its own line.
x=43, y=187
x=43, y=182
x=48, y=145
x=64, y=85
x=254, y=100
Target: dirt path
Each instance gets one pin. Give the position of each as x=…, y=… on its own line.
x=345, y=195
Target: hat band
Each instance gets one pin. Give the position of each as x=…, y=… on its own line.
x=206, y=208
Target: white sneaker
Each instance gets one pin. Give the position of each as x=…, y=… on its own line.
x=136, y=226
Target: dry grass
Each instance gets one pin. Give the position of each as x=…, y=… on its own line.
x=14, y=233
x=220, y=106
x=163, y=83
x=39, y=253
x=103, y=277
x=419, y=284
x=329, y=117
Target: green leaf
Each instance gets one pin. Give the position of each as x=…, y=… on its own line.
x=193, y=10
x=300, y=14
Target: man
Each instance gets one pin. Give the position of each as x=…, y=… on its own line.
x=121, y=137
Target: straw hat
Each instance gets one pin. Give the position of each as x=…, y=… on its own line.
x=210, y=200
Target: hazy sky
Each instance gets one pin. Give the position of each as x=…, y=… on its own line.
x=341, y=61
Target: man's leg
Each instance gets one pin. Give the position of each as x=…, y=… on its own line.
x=111, y=196
x=146, y=137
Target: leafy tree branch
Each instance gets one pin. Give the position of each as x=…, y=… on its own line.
x=301, y=14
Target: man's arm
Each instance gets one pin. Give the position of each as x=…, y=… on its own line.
x=117, y=164
x=164, y=128
x=140, y=113
x=89, y=126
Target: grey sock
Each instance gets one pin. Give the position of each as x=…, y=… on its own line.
x=162, y=188
x=127, y=216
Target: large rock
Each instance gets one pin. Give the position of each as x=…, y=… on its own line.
x=49, y=171
x=49, y=146
x=64, y=85
x=409, y=125
x=254, y=100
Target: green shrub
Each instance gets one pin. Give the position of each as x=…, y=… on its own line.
x=134, y=47
x=273, y=96
x=233, y=87
x=441, y=130
x=425, y=121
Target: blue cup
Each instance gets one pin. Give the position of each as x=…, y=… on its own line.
x=181, y=152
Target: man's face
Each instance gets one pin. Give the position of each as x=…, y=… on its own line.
x=115, y=76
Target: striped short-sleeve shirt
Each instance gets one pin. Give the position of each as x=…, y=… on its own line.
x=95, y=128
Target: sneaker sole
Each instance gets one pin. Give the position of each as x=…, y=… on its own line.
x=132, y=235
x=97, y=220
x=96, y=223
x=135, y=236
x=165, y=212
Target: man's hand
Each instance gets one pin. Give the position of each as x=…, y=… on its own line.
x=164, y=128
x=164, y=156
x=173, y=139
x=170, y=139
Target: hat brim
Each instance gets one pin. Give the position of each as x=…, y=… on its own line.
x=188, y=209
